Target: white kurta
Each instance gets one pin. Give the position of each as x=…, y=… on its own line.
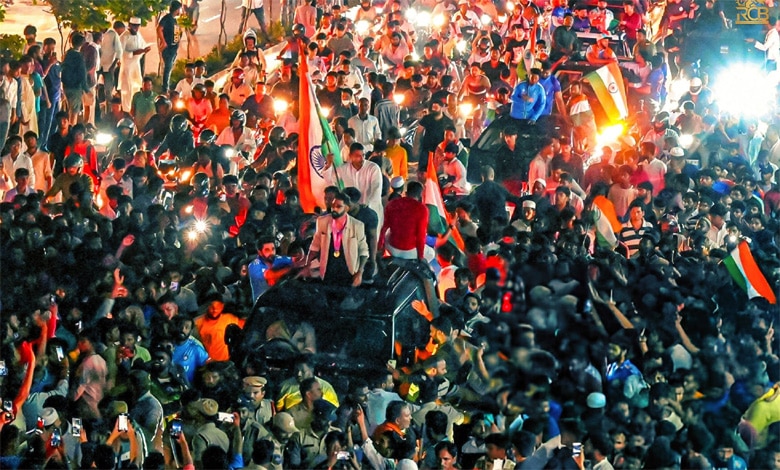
x=28, y=107
x=368, y=180
x=130, y=76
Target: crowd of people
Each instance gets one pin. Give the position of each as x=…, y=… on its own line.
x=619, y=313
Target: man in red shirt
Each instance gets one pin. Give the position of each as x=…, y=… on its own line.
x=630, y=22
x=407, y=220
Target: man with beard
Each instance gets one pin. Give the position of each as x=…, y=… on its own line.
x=619, y=368
x=287, y=451
x=146, y=409
x=211, y=327
x=188, y=352
x=266, y=259
x=340, y=245
x=254, y=391
x=311, y=442
x=133, y=47
x=167, y=380
x=159, y=124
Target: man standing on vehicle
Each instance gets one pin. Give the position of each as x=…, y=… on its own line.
x=552, y=90
x=340, y=245
x=430, y=133
x=528, y=99
x=168, y=35
x=266, y=259
x=406, y=220
x=600, y=53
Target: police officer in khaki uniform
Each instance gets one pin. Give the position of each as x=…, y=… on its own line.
x=284, y=434
x=207, y=433
x=254, y=389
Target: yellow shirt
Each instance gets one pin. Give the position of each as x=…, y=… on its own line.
x=399, y=159
x=290, y=395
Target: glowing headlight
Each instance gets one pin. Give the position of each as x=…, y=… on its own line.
x=230, y=153
x=411, y=15
x=466, y=109
x=362, y=27
x=423, y=19
x=188, y=209
x=510, y=6
x=325, y=111
x=461, y=45
x=192, y=235
x=180, y=104
x=686, y=140
x=186, y=174
x=103, y=138
x=485, y=19
x=398, y=98
x=438, y=20
x=200, y=226
x=415, y=55
x=280, y=106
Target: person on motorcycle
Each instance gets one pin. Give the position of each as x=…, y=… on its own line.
x=287, y=86
x=158, y=125
x=260, y=104
x=291, y=48
x=237, y=89
x=115, y=113
x=660, y=131
x=208, y=165
x=256, y=55
x=241, y=138
x=198, y=107
x=125, y=132
x=179, y=142
x=271, y=154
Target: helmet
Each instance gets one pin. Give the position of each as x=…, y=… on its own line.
x=162, y=100
x=207, y=137
x=695, y=85
x=298, y=29
x=178, y=123
x=200, y=183
x=73, y=160
x=127, y=123
x=277, y=136
x=661, y=118
x=127, y=148
x=250, y=33
x=238, y=74
x=237, y=114
x=199, y=87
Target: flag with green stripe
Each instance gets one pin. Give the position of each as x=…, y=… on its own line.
x=746, y=273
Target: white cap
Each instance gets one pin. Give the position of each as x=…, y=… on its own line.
x=135, y=20
x=677, y=152
x=541, y=181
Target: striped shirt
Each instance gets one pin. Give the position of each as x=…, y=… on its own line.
x=631, y=236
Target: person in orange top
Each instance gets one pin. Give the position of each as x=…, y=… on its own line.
x=211, y=327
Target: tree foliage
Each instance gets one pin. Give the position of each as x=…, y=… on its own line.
x=93, y=15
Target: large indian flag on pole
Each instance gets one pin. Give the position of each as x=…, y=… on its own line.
x=747, y=275
x=315, y=141
x=607, y=84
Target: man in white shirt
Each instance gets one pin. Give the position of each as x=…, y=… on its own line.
x=110, y=55
x=454, y=171
x=184, y=87
x=8, y=92
x=366, y=126
x=359, y=173
x=655, y=168
x=772, y=47
x=256, y=7
x=15, y=159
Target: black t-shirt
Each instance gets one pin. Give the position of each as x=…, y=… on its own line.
x=517, y=48
x=434, y=131
x=169, y=28
x=493, y=73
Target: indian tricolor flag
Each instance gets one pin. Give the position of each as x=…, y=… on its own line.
x=315, y=141
x=747, y=275
x=606, y=221
x=607, y=84
x=438, y=220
